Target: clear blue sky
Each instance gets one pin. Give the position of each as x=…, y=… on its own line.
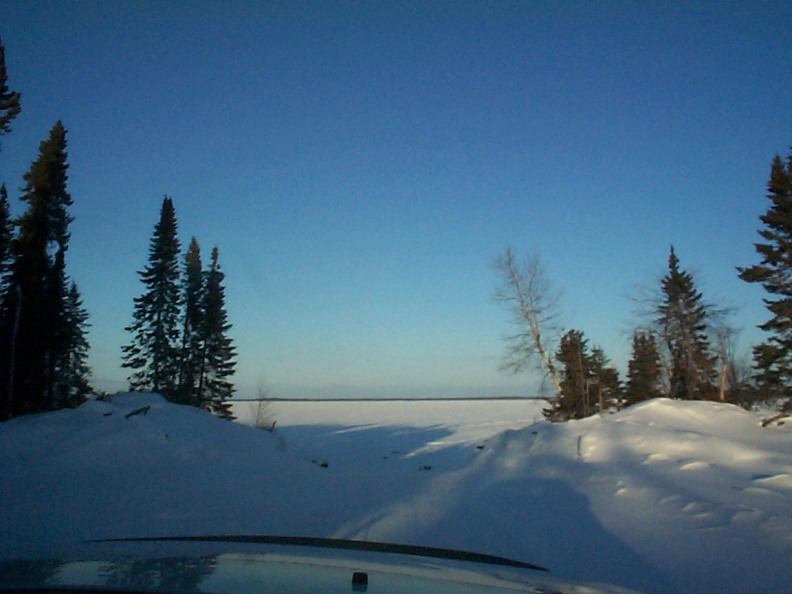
x=359, y=164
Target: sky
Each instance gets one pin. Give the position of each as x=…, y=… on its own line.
x=360, y=164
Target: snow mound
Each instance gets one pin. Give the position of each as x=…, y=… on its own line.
x=666, y=496
x=699, y=488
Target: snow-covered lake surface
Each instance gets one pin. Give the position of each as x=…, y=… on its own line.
x=663, y=497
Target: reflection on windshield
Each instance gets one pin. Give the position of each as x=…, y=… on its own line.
x=174, y=575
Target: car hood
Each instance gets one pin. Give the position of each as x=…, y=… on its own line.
x=259, y=564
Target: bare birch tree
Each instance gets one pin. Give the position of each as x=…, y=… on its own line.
x=533, y=306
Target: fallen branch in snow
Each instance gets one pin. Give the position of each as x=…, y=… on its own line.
x=781, y=415
x=140, y=411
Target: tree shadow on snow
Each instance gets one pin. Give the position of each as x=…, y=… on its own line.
x=384, y=484
x=554, y=525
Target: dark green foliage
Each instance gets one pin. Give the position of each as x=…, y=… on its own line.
x=43, y=348
x=181, y=347
x=7, y=326
x=153, y=354
x=682, y=321
x=6, y=233
x=207, y=351
x=55, y=359
x=644, y=371
x=773, y=358
x=218, y=350
x=589, y=384
x=193, y=289
x=71, y=385
x=607, y=384
x=9, y=100
x=37, y=330
x=573, y=402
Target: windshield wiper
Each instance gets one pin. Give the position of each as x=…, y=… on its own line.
x=340, y=543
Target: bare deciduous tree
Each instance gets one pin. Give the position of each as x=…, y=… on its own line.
x=533, y=305
x=263, y=416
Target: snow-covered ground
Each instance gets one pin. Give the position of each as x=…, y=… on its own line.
x=663, y=497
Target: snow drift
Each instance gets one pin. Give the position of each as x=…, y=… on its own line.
x=665, y=496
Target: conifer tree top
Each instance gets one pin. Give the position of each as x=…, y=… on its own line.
x=9, y=100
x=46, y=186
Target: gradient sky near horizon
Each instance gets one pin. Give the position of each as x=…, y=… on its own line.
x=359, y=165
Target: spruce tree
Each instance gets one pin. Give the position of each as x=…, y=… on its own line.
x=644, y=370
x=54, y=362
x=193, y=289
x=153, y=355
x=6, y=235
x=607, y=385
x=589, y=383
x=71, y=385
x=773, y=358
x=6, y=328
x=683, y=323
x=34, y=316
x=218, y=351
x=573, y=358
x=9, y=100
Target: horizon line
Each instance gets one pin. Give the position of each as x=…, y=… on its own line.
x=384, y=399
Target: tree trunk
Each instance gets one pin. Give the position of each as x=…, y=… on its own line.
x=724, y=374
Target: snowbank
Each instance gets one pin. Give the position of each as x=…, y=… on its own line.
x=666, y=496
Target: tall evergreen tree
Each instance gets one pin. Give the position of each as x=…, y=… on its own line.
x=683, y=322
x=58, y=354
x=34, y=313
x=71, y=385
x=773, y=358
x=193, y=290
x=589, y=383
x=573, y=401
x=153, y=355
x=218, y=350
x=6, y=235
x=9, y=100
x=644, y=370
x=608, y=386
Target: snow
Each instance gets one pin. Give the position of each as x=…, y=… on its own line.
x=666, y=496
